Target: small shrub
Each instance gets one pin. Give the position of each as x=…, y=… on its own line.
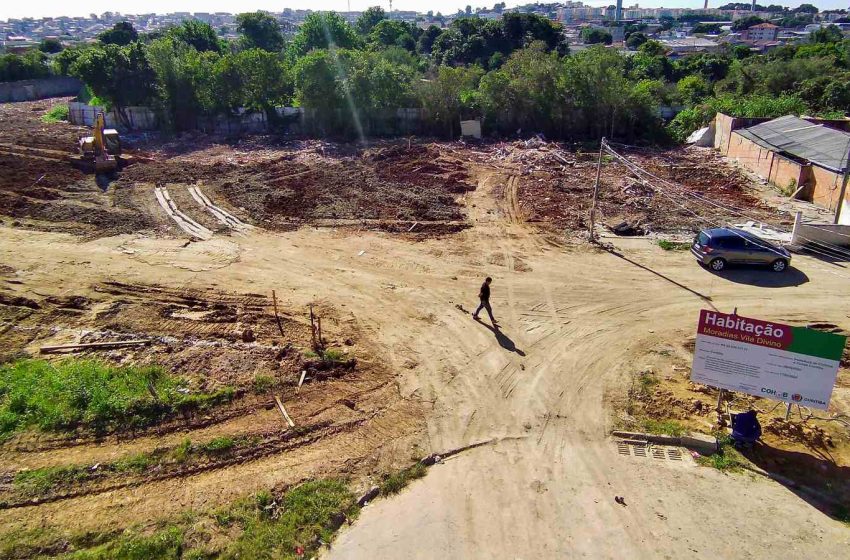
x=673, y=245
x=646, y=381
x=137, y=463
x=332, y=355
x=263, y=384
x=727, y=458
x=394, y=483
x=57, y=113
x=182, y=450
x=218, y=445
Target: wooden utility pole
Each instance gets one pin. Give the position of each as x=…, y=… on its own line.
x=596, y=192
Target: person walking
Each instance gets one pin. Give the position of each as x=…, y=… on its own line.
x=484, y=296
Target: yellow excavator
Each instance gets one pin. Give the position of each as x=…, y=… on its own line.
x=99, y=152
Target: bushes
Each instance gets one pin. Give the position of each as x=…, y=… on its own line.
x=57, y=113
x=28, y=66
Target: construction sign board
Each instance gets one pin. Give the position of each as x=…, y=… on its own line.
x=790, y=364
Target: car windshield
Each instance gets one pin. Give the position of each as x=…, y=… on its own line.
x=703, y=238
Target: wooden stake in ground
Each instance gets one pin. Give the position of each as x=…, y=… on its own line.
x=313, y=329
x=319, y=321
x=276, y=316
x=301, y=381
x=283, y=411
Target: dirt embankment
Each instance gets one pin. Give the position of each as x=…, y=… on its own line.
x=347, y=411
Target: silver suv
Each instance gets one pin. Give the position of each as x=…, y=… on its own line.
x=715, y=248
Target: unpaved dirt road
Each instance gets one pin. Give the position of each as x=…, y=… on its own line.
x=575, y=322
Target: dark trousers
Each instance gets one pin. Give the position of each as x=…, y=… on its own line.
x=485, y=304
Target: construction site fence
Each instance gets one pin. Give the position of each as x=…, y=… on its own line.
x=292, y=120
x=30, y=90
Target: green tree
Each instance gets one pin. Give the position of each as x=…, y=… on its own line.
x=427, y=38
x=693, y=89
x=830, y=34
x=445, y=95
x=316, y=85
x=264, y=80
x=50, y=46
x=635, y=40
x=807, y=9
x=389, y=33
x=746, y=23
x=322, y=30
x=594, y=35
x=28, y=66
x=185, y=82
x=599, y=93
x=197, y=34
x=369, y=19
x=653, y=48
x=62, y=62
x=377, y=86
x=524, y=93
x=121, y=76
x=259, y=30
x=709, y=28
x=122, y=33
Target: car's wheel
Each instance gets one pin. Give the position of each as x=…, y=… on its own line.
x=779, y=265
x=717, y=264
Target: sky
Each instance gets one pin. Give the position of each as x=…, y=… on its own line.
x=42, y=8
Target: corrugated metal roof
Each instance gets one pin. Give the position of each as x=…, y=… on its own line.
x=823, y=146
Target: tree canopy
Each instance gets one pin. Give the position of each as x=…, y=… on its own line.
x=260, y=30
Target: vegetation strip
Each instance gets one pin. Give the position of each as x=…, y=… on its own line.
x=92, y=395
x=144, y=462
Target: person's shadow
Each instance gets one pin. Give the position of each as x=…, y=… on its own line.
x=503, y=339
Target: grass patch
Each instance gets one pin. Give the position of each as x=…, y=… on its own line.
x=89, y=394
x=263, y=384
x=394, y=483
x=300, y=519
x=57, y=113
x=138, y=463
x=329, y=355
x=665, y=427
x=727, y=458
x=165, y=544
x=218, y=445
x=181, y=451
x=39, y=481
x=673, y=245
x=646, y=381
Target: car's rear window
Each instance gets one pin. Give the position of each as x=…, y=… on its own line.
x=703, y=238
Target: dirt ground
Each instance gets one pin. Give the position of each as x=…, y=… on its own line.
x=541, y=393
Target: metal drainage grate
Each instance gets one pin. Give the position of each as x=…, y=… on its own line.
x=640, y=449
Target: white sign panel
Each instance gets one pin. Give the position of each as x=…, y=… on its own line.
x=771, y=360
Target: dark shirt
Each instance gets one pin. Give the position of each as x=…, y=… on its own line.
x=484, y=294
